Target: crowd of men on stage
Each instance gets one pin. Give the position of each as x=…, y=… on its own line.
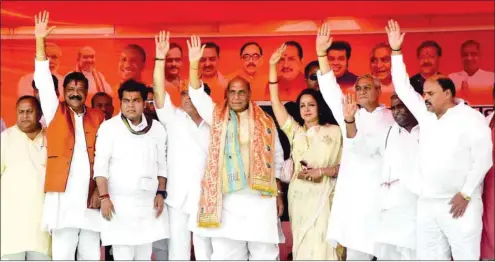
x=190, y=164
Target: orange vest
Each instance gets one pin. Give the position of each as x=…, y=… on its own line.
x=60, y=139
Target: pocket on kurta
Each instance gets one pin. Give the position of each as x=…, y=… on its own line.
x=149, y=184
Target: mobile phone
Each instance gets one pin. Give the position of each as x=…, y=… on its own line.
x=304, y=164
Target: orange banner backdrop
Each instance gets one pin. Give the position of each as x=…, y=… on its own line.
x=17, y=58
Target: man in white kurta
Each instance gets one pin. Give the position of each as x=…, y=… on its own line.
x=399, y=147
x=23, y=163
x=188, y=139
x=132, y=164
x=249, y=220
x=355, y=208
x=454, y=157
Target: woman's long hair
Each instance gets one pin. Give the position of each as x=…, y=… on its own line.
x=325, y=115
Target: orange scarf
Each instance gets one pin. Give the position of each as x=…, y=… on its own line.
x=261, y=176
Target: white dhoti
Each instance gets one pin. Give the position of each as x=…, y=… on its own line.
x=441, y=237
x=203, y=249
x=27, y=256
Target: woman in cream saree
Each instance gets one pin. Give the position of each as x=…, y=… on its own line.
x=318, y=146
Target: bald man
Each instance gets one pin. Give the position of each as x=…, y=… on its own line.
x=86, y=64
x=53, y=53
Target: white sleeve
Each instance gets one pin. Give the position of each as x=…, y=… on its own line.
x=278, y=161
x=103, y=150
x=413, y=101
x=203, y=103
x=332, y=94
x=481, y=147
x=162, y=153
x=44, y=83
x=166, y=114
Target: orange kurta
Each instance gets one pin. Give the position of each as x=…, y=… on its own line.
x=60, y=145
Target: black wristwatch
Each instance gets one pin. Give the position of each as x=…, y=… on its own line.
x=163, y=193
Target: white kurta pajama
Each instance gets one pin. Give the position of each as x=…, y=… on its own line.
x=455, y=155
x=65, y=214
x=187, y=151
x=355, y=208
x=23, y=164
x=249, y=227
x=396, y=232
x=132, y=165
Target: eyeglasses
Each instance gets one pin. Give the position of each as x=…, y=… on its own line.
x=248, y=57
x=313, y=77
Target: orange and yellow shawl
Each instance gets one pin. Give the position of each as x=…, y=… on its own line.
x=261, y=176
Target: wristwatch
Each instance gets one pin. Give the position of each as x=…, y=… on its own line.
x=163, y=193
x=468, y=198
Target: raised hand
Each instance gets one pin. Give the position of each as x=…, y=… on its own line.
x=349, y=107
x=323, y=40
x=395, y=38
x=162, y=44
x=277, y=55
x=195, y=49
x=41, y=29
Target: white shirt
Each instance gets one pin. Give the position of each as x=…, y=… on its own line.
x=187, y=151
x=455, y=150
x=132, y=165
x=67, y=209
x=355, y=207
x=399, y=182
x=246, y=215
x=480, y=80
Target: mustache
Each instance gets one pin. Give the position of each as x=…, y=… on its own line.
x=426, y=64
x=208, y=67
x=428, y=103
x=251, y=64
x=75, y=97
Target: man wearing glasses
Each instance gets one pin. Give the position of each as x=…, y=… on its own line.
x=251, y=55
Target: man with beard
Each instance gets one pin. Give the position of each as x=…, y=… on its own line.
x=428, y=54
x=188, y=137
x=354, y=217
x=23, y=161
x=455, y=152
x=53, y=53
x=251, y=55
x=396, y=231
x=339, y=54
x=103, y=102
x=130, y=171
x=291, y=80
x=208, y=68
x=70, y=211
x=173, y=81
x=240, y=191
x=86, y=64
x=472, y=80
